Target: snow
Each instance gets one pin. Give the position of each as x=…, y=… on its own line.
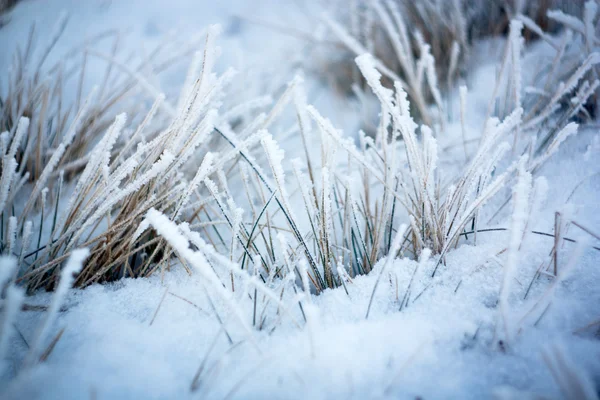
x=110, y=349
x=73, y=266
x=186, y=337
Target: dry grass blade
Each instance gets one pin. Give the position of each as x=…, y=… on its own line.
x=51, y=346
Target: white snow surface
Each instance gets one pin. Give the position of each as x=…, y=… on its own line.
x=146, y=338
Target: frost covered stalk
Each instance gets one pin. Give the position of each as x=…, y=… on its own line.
x=9, y=162
x=12, y=235
x=73, y=266
x=11, y=304
x=26, y=240
x=236, y=223
x=521, y=195
x=275, y=157
x=516, y=45
x=327, y=234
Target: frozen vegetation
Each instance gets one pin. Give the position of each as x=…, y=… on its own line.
x=299, y=199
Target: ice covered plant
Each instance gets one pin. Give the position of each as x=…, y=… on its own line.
x=438, y=214
x=351, y=211
x=348, y=218
x=563, y=91
x=436, y=221
x=97, y=195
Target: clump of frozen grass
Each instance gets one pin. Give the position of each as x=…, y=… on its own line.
x=140, y=200
x=47, y=134
x=553, y=115
x=117, y=181
x=420, y=44
x=138, y=167
x=349, y=226
x=438, y=215
x=406, y=40
x=88, y=181
x=567, y=90
x=436, y=222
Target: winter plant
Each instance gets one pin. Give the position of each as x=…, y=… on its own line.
x=200, y=183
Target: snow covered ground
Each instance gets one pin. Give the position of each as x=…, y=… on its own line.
x=160, y=337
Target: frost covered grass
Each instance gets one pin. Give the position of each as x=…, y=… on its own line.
x=86, y=189
x=418, y=41
x=389, y=229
